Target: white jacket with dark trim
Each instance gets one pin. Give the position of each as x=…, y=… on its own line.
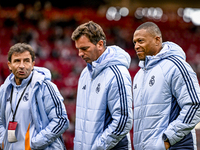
x=48, y=114
x=166, y=97
x=104, y=103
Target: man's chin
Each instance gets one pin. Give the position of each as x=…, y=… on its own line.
x=87, y=61
x=21, y=77
x=141, y=58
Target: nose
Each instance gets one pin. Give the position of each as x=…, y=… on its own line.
x=136, y=46
x=21, y=65
x=80, y=53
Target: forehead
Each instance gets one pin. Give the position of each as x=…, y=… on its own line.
x=142, y=33
x=82, y=41
x=25, y=54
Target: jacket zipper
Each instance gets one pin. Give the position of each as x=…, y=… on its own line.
x=142, y=104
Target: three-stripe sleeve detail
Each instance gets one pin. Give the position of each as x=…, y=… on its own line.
x=123, y=101
x=58, y=108
x=190, y=88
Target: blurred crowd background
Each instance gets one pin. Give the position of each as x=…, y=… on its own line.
x=47, y=26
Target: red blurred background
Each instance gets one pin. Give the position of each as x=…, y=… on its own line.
x=47, y=27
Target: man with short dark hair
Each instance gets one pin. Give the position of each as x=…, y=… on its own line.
x=32, y=113
x=104, y=98
x=165, y=92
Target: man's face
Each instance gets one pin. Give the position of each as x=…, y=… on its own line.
x=145, y=44
x=21, y=66
x=87, y=50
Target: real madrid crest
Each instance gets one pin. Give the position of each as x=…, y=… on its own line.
x=25, y=97
x=152, y=81
x=98, y=88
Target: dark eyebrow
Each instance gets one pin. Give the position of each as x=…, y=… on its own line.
x=16, y=60
x=83, y=48
x=19, y=59
x=27, y=59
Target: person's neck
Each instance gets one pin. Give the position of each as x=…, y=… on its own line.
x=18, y=82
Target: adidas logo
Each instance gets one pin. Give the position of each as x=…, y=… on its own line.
x=84, y=87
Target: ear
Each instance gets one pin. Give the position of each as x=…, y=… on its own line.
x=9, y=65
x=100, y=44
x=157, y=40
x=33, y=64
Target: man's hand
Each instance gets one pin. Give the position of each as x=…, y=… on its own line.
x=167, y=145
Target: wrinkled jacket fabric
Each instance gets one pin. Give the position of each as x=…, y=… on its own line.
x=49, y=118
x=166, y=100
x=104, y=103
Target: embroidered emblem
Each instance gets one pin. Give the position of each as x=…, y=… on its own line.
x=152, y=81
x=98, y=88
x=135, y=86
x=25, y=98
x=84, y=87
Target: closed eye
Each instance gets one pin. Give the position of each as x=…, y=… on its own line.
x=84, y=48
